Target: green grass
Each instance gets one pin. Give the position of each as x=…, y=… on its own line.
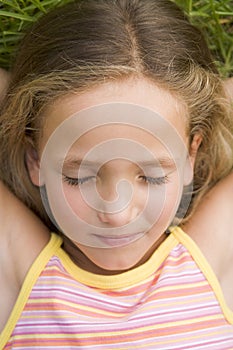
x=15, y=17
x=214, y=17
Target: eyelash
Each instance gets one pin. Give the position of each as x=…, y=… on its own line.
x=76, y=181
x=156, y=181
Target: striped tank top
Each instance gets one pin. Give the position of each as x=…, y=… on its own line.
x=173, y=301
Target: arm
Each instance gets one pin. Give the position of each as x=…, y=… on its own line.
x=211, y=228
x=228, y=83
x=19, y=225
x=4, y=81
x=22, y=237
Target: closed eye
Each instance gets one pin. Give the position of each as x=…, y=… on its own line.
x=77, y=181
x=155, y=180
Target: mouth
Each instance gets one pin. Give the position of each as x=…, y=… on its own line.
x=120, y=240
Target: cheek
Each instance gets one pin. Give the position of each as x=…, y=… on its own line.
x=173, y=197
x=65, y=203
x=174, y=191
x=163, y=201
x=78, y=205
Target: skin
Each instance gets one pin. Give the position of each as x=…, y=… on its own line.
x=140, y=92
x=17, y=225
x=211, y=228
x=228, y=83
x=4, y=81
x=20, y=229
x=212, y=222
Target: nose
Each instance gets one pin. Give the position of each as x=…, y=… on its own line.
x=118, y=209
x=120, y=218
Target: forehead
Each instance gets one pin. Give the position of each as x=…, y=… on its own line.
x=139, y=93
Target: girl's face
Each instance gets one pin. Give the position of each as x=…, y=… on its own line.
x=114, y=161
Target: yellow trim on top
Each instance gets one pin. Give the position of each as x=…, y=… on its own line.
x=206, y=269
x=32, y=275
x=125, y=279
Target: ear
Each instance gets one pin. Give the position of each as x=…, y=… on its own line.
x=33, y=166
x=190, y=162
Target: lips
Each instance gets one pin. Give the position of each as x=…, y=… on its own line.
x=119, y=240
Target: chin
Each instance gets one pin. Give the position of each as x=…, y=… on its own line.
x=111, y=261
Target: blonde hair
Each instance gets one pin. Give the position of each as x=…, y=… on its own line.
x=86, y=43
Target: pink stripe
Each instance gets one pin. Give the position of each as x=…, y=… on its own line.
x=143, y=310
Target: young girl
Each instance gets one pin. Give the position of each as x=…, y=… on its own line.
x=114, y=107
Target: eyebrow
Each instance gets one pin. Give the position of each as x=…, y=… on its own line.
x=164, y=162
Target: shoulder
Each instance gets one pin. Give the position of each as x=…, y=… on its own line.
x=22, y=237
x=212, y=222
x=211, y=227
x=214, y=213
x=22, y=233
